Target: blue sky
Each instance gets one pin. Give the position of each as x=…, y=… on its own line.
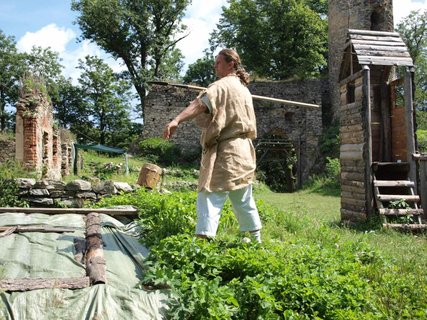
x=50, y=23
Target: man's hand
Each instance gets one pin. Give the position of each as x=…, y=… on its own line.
x=195, y=108
x=170, y=129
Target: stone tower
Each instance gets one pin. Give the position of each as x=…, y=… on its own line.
x=352, y=14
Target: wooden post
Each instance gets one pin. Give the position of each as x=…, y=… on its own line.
x=95, y=262
x=410, y=128
x=386, y=129
x=366, y=106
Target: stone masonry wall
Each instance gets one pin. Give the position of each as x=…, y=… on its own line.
x=7, y=148
x=55, y=193
x=302, y=126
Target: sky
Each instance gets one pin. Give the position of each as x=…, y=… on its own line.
x=49, y=23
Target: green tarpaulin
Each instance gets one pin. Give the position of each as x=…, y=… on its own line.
x=51, y=255
x=99, y=147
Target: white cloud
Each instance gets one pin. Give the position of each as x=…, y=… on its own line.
x=49, y=36
x=201, y=19
x=402, y=8
x=59, y=40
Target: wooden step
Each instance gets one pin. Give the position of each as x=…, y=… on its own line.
x=401, y=212
x=401, y=226
x=394, y=183
x=392, y=197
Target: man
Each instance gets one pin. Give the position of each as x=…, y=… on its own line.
x=225, y=113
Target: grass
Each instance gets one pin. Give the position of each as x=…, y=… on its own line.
x=393, y=262
x=314, y=213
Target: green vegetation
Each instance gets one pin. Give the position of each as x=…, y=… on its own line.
x=308, y=266
x=9, y=191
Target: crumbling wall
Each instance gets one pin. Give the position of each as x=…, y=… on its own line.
x=7, y=148
x=38, y=140
x=302, y=126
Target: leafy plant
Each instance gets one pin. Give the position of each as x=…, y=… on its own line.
x=159, y=150
x=9, y=194
x=399, y=204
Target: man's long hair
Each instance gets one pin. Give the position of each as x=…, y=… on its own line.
x=231, y=55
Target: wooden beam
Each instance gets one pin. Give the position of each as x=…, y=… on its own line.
x=26, y=284
x=18, y=229
x=95, y=262
x=112, y=212
x=366, y=104
x=255, y=97
x=410, y=127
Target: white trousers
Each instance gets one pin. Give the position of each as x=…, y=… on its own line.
x=210, y=204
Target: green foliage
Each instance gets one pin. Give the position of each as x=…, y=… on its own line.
x=143, y=33
x=327, y=182
x=276, y=39
x=201, y=72
x=9, y=192
x=330, y=142
x=106, y=98
x=220, y=280
x=11, y=69
x=160, y=215
x=159, y=150
x=422, y=140
x=306, y=268
x=413, y=30
x=12, y=169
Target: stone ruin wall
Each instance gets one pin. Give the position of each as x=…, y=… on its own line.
x=7, y=148
x=302, y=126
x=39, y=146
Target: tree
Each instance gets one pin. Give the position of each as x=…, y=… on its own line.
x=202, y=71
x=11, y=70
x=276, y=39
x=105, y=98
x=413, y=30
x=140, y=32
x=68, y=105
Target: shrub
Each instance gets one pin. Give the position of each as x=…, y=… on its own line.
x=422, y=140
x=329, y=181
x=161, y=151
x=9, y=194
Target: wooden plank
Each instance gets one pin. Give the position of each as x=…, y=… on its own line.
x=376, y=47
x=388, y=38
x=403, y=227
x=400, y=212
x=391, y=197
x=393, y=183
x=350, y=78
x=377, y=42
x=19, y=229
x=351, y=155
x=384, y=61
x=373, y=32
x=112, y=212
x=26, y=284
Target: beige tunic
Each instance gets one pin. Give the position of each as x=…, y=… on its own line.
x=228, y=156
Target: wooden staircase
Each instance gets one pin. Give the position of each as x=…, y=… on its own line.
x=395, y=197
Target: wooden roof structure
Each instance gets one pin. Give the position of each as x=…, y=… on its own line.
x=367, y=47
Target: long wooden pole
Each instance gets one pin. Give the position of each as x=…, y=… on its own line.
x=255, y=97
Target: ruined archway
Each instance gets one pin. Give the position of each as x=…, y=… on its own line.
x=277, y=161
